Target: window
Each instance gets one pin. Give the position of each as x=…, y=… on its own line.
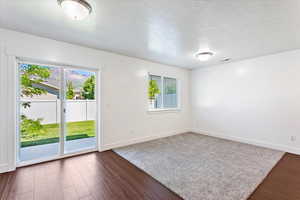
x=162, y=93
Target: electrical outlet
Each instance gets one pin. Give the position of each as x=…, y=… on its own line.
x=293, y=138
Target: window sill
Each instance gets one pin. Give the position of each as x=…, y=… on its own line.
x=164, y=110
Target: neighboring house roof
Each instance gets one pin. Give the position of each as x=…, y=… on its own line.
x=48, y=87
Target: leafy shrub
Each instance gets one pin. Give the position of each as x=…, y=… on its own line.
x=153, y=89
x=30, y=127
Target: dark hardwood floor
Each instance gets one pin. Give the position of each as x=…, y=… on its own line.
x=87, y=177
x=108, y=176
x=282, y=183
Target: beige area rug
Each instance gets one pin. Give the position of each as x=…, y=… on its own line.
x=199, y=167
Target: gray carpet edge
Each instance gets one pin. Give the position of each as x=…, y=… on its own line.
x=258, y=184
x=120, y=152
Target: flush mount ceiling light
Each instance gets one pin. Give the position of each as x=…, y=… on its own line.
x=75, y=9
x=204, y=56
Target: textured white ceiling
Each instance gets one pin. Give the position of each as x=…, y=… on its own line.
x=166, y=31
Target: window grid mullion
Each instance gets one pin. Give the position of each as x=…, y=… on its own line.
x=162, y=93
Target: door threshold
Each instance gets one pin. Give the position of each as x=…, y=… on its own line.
x=33, y=162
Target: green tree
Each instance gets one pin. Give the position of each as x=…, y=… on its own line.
x=153, y=89
x=170, y=89
x=70, y=90
x=89, y=88
x=31, y=75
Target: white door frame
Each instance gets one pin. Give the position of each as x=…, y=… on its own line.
x=61, y=154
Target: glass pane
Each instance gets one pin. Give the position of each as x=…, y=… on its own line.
x=81, y=110
x=170, y=93
x=157, y=101
x=39, y=112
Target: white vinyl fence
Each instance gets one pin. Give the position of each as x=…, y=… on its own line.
x=49, y=110
x=170, y=101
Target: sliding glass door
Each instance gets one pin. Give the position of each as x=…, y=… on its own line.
x=80, y=110
x=57, y=111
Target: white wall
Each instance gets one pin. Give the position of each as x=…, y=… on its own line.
x=123, y=87
x=255, y=100
x=7, y=110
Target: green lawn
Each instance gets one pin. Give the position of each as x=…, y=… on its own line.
x=50, y=133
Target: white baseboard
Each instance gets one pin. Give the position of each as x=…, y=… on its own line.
x=5, y=168
x=140, y=140
x=279, y=147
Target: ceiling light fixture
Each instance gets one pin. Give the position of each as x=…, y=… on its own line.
x=75, y=9
x=204, y=56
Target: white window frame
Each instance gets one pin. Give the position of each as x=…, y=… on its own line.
x=178, y=94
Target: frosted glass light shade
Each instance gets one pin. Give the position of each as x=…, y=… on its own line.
x=75, y=9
